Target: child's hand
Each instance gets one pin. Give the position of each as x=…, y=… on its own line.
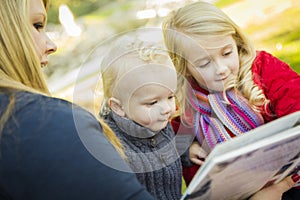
x=274, y=192
x=197, y=154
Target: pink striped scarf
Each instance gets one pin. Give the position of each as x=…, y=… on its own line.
x=213, y=114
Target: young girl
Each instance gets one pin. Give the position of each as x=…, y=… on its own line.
x=139, y=82
x=227, y=88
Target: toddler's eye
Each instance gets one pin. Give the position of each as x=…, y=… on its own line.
x=171, y=97
x=152, y=103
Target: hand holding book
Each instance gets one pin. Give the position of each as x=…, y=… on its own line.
x=197, y=154
x=275, y=191
x=246, y=164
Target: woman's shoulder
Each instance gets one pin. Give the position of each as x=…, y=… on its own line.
x=54, y=125
x=24, y=99
x=37, y=112
x=41, y=102
x=47, y=107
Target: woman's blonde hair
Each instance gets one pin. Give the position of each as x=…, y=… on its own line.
x=206, y=20
x=20, y=67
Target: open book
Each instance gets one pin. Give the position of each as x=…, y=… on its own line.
x=238, y=168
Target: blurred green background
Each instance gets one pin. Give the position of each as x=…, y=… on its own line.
x=279, y=34
x=272, y=25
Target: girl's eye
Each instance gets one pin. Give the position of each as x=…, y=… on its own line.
x=204, y=65
x=38, y=26
x=227, y=53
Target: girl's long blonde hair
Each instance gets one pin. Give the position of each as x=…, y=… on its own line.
x=20, y=68
x=206, y=20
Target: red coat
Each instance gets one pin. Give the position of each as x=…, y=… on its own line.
x=280, y=84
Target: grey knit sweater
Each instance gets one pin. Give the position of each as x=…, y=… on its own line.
x=151, y=155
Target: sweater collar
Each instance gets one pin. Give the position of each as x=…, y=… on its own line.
x=131, y=128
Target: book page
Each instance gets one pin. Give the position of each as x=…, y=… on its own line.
x=248, y=164
x=250, y=172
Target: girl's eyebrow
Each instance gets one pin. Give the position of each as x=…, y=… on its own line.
x=227, y=46
x=220, y=47
x=200, y=59
x=207, y=56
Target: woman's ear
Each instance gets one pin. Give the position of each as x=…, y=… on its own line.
x=115, y=105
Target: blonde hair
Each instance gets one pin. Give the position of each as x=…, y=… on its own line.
x=206, y=20
x=20, y=68
x=115, y=64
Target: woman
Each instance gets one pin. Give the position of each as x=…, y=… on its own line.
x=44, y=152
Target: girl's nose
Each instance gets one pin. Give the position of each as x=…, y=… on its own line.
x=221, y=67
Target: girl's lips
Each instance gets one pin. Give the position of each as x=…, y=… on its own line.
x=222, y=79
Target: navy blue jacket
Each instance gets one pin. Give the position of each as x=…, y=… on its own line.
x=52, y=149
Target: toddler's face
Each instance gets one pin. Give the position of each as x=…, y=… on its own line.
x=213, y=62
x=151, y=106
x=148, y=94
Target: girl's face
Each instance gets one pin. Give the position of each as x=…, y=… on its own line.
x=37, y=17
x=212, y=62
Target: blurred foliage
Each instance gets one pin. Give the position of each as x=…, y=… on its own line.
x=265, y=34
x=279, y=35
x=78, y=7
x=116, y=13
x=102, y=18
x=223, y=3
x=97, y=25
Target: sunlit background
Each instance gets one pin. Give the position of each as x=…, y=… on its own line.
x=78, y=27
